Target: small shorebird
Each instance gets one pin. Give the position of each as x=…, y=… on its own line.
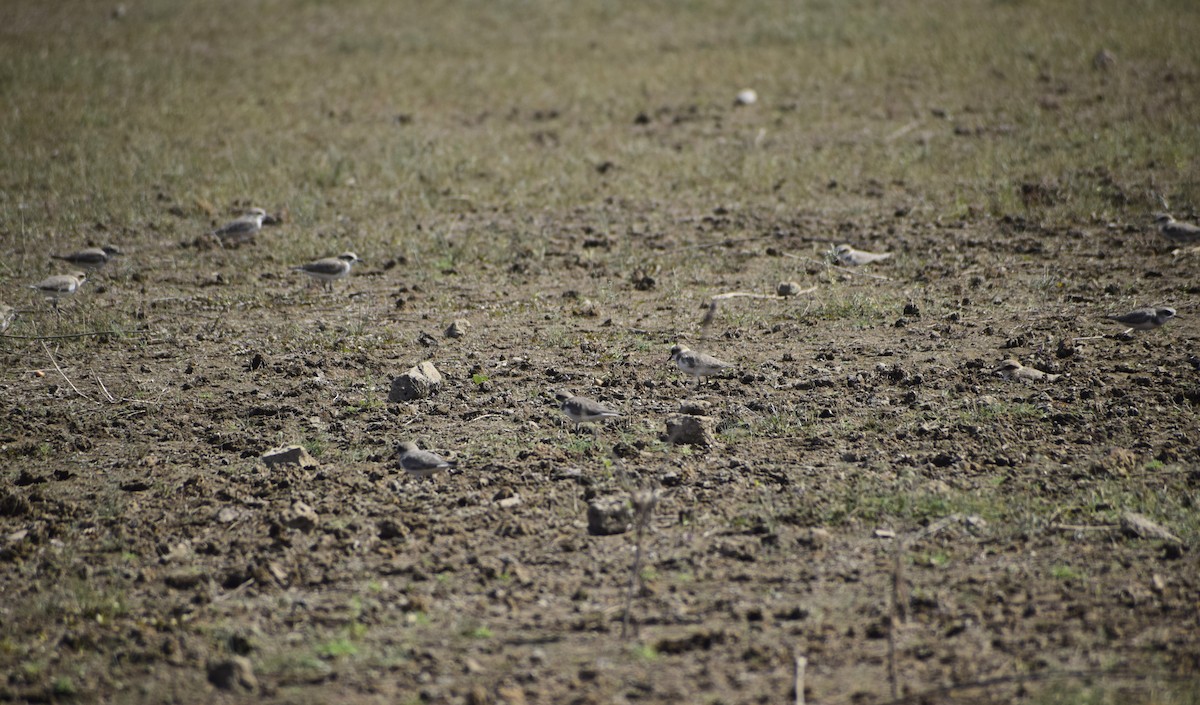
x=90, y=258
x=1144, y=318
x=60, y=285
x=1012, y=369
x=582, y=410
x=847, y=256
x=1176, y=232
x=7, y=316
x=240, y=231
x=420, y=463
x=330, y=269
x=697, y=364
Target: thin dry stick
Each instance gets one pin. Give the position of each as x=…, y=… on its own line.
x=104, y=389
x=798, y=684
x=73, y=335
x=643, y=507
x=893, y=619
x=1081, y=527
x=748, y=295
x=64, y=375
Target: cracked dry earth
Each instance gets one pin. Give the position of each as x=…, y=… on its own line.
x=863, y=451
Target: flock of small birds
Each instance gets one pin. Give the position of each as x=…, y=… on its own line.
x=241, y=231
x=579, y=410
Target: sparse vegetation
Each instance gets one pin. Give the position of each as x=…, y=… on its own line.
x=575, y=180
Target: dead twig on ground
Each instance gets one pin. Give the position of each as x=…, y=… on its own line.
x=64, y=374
x=643, y=502
x=74, y=335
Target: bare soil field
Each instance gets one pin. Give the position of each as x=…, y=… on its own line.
x=873, y=514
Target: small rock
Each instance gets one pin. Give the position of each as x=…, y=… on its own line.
x=289, y=455
x=228, y=515
x=695, y=407
x=686, y=429
x=419, y=382
x=458, y=328
x=427, y=341
x=184, y=579
x=235, y=673
x=748, y=96
x=302, y=517
x=787, y=289
x=390, y=529
x=816, y=538
x=509, y=502
x=609, y=515
x=885, y=534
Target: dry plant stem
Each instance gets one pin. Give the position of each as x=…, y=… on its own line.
x=894, y=619
x=798, y=684
x=744, y=294
x=643, y=507
x=104, y=389
x=1081, y=527
x=64, y=375
x=71, y=335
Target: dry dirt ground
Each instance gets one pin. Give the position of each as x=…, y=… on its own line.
x=576, y=183
x=145, y=543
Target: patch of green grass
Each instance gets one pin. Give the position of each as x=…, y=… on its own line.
x=336, y=648
x=480, y=632
x=1065, y=572
x=644, y=652
x=63, y=686
x=315, y=446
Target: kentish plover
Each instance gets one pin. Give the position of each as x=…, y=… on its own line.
x=420, y=463
x=90, y=258
x=697, y=364
x=60, y=285
x=242, y=230
x=330, y=269
x=847, y=256
x=582, y=410
x=1176, y=232
x=1144, y=318
x=1012, y=369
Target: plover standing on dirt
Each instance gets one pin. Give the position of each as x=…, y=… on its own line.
x=242, y=230
x=582, y=410
x=1012, y=369
x=90, y=258
x=1144, y=318
x=697, y=364
x=330, y=269
x=847, y=256
x=1176, y=232
x=420, y=463
x=60, y=285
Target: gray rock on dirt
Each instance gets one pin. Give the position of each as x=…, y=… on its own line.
x=235, y=674
x=609, y=515
x=458, y=328
x=289, y=455
x=302, y=517
x=419, y=382
x=685, y=429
